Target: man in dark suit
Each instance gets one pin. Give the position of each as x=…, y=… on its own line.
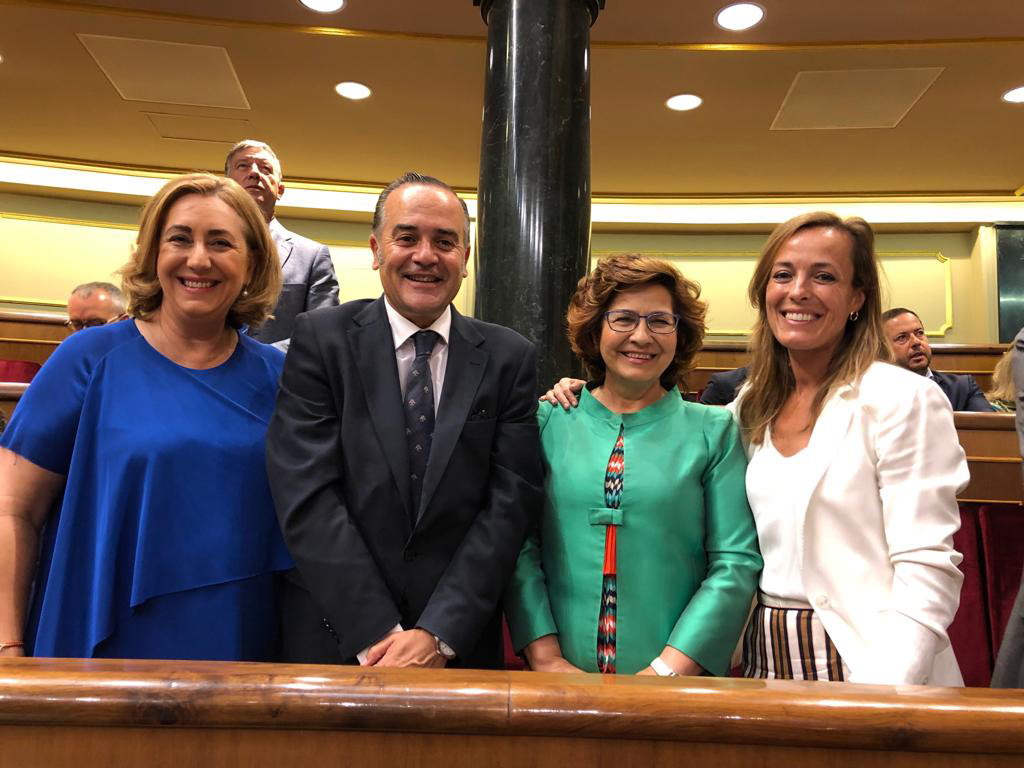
x=910, y=349
x=404, y=456
x=307, y=272
x=722, y=387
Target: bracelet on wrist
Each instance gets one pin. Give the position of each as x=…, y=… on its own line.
x=661, y=669
x=5, y=646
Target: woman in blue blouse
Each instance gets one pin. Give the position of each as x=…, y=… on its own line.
x=134, y=465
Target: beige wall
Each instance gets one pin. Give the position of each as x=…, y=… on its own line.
x=948, y=278
x=49, y=245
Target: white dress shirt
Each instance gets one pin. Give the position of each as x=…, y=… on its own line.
x=402, y=331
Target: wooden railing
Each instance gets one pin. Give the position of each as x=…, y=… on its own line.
x=83, y=713
x=975, y=359
x=30, y=334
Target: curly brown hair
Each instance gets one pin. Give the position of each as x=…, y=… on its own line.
x=139, y=279
x=595, y=292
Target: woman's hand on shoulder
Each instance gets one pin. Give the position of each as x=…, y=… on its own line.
x=564, y=393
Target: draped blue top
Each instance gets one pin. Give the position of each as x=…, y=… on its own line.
x=165, y=541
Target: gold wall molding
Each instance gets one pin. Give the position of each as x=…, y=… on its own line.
x=598, y=199
x=947, y=268
x=379, y=34
x=39, y=219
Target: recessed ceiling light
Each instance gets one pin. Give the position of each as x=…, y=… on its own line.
x=354, y=91
x=323, y=6
x=1016, y=96
x=739, y=16
x=684, y=102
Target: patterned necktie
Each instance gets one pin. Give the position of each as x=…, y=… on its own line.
x=419, y=414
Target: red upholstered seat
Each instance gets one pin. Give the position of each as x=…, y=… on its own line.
x=970, y=634
x=18, y=370
x=1002, y=540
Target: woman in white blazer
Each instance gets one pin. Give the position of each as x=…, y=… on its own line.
x=854, y=470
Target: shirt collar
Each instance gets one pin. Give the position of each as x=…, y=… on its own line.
x=276, y=227
x=928, y=373
x=402, y=328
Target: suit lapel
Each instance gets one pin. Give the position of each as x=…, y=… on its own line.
x=829, y=432
x=465, y=369
x=283, y=241
x=374, y=350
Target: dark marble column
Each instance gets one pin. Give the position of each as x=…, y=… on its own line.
x=534, y=198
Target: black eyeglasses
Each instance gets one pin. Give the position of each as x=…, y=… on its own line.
x=92, y=322
x=626, y=320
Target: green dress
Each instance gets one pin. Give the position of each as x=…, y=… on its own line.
x=687, y=557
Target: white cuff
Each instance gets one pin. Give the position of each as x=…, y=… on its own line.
x=361, y=656
x=661, y=669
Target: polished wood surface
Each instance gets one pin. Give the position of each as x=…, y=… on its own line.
x=206, y=713
x=976, y=359
x=10, y=393
x=990, y=442
x=30, y=334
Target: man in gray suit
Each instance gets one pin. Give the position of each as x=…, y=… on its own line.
x=307, y=273
x=1009, y=671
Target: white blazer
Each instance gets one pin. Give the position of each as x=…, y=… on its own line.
x=879, y=511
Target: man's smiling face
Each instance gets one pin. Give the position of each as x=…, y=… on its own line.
x=419, y=250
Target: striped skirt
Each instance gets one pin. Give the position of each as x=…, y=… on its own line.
x=785, y=640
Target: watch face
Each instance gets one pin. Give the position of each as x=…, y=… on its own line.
x=444, y=649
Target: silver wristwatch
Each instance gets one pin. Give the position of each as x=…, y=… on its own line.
x=443, y=649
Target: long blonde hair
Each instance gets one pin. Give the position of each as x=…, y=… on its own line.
x=770, y=376
x=1002, y=387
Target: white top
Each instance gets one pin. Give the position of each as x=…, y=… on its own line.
x=876, y=513
x=778, y=520
x=402, y=331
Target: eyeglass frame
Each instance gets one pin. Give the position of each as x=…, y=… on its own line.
x=92, y=322
x=646, y=318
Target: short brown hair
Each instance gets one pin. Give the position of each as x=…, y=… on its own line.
x=770, y=378
x=250, y=144
x=595, y=292
x=263, y=285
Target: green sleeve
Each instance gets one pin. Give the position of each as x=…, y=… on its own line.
x=709, y=627
x=527, y=606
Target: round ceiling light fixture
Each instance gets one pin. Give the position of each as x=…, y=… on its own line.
x=354, y=91
x=1015, y=96
x=739, y=16
x=684, y=102
x=324, y=6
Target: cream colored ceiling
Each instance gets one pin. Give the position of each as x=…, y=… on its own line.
x=424, y=60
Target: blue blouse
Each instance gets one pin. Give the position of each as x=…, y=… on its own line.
x=165, y=542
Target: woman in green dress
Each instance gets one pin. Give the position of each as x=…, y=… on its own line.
x=645, y=560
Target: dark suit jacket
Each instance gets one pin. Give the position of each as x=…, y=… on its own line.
x=308, y=282
x=962, y=391
x=338, y=463
x=722, y=387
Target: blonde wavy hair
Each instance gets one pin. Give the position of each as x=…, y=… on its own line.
x=1002, y=387
x=770, y=376
x=595, y=292
x=263, y=284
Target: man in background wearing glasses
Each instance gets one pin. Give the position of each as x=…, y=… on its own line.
x=93, y=304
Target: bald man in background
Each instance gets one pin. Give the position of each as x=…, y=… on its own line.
x=93, y=304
